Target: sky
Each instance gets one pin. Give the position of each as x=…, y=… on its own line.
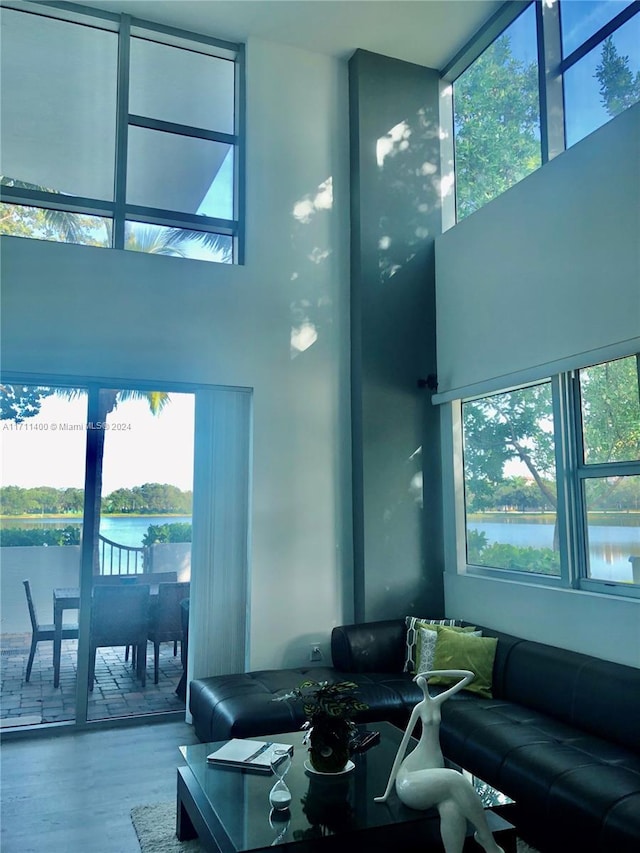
x=139, y=447
x=580, y=19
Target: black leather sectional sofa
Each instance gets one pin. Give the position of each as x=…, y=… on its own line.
x=561, y=735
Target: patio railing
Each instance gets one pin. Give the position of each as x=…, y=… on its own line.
x=117, y=559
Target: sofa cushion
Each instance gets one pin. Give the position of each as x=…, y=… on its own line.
x=457, y=650
x=243, y=705
x=580, y=800
x=620, y=828
x=369, y=647
x=606, y=701
x=413, y=623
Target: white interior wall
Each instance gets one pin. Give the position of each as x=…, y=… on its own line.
x=549, y=270
x=94, y=312
x=546, y=271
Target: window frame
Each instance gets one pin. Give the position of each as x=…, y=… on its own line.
x=571, y=511
x=119, y=211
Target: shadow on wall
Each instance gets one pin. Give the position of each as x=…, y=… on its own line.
x=408, y=160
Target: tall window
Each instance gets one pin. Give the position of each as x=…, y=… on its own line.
x=526, y=89
x=497, y=117
x=118, y=132
x=582, y=525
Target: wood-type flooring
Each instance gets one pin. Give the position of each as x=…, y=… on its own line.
x=73, y=793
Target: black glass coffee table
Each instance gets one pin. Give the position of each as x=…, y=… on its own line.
x=229, y=810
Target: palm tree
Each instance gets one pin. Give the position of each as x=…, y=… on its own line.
x=164, y=240
x=71, y=227
x=108, y=400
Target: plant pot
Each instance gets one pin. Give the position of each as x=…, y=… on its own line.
x=329, y=744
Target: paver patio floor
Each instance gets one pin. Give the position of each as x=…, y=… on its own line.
x=116, y=693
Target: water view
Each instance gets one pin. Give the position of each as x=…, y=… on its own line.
x=128, y=530
x=609, y=546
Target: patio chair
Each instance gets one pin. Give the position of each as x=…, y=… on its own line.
x=43, y=631
x=166, y=619
x=119, y=617
x=152, y=578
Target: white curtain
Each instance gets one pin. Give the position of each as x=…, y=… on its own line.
x=219, y=605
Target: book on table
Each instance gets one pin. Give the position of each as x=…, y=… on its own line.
x=248, y=754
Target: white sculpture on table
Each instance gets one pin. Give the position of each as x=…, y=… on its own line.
x=422, y=781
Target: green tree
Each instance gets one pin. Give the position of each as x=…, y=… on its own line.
x=517, y=426
x=619, y=87
x=18, y=402
x=497, y=125
x=72, y=500
x=611, y=411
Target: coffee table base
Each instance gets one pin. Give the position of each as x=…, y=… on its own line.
x=196, y=819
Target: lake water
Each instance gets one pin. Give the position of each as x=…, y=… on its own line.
x=124, y=531
x=609, y=547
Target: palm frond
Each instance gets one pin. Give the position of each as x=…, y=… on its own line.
x=157, y=400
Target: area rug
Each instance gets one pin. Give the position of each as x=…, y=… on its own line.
x=155, y=826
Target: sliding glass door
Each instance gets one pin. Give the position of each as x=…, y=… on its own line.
x=141, y=559
x=43, y=431
x=96, y=492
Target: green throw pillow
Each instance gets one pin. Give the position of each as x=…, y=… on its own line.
x=456, y=650
x=426, y=643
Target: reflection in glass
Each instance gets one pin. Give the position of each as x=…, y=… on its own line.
x=173, y=172
x=603, y=83
x=60, y=226
x=58, y=95
x=580, y=19
x=613, y=537
x=181, y=86
x=178, y=242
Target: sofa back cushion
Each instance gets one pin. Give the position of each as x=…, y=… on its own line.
x=369, y=646
x=596, y=696
x=542, y=678
x=607, y=701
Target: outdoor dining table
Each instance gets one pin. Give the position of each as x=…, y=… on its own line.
x=68, y=598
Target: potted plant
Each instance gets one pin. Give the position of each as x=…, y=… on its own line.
x=328, y=707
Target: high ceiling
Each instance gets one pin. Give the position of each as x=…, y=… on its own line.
x=428, y=32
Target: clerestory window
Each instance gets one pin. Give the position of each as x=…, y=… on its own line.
x=120, y=133
x=538, y=78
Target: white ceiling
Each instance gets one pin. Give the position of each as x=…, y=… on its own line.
x=427, y=32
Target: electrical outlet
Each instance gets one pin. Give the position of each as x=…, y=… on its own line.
x=316, y=652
